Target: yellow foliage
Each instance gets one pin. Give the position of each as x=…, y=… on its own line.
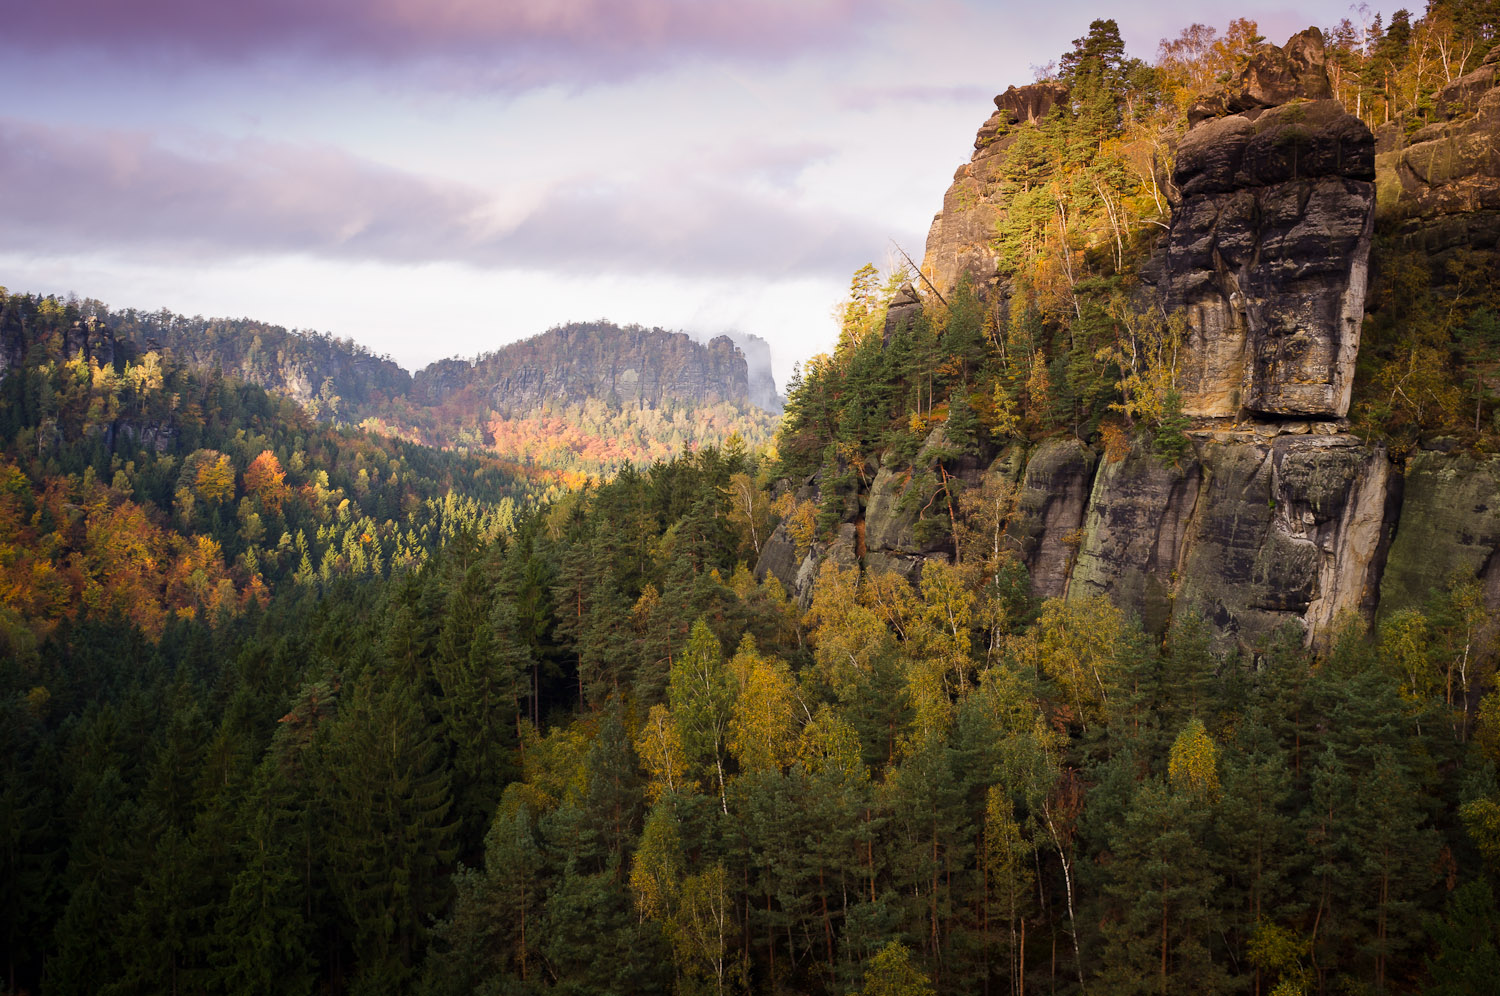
x=828, y=745
x=800, y=519
x=660, y=748
x=763, y=723
x=214, y=483
x=1193, y=766
x=846, y=635
x=1146, y=350
x=1077, y=645
x=656, y=872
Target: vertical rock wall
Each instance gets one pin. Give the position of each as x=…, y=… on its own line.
x=1278, y=516
x=1268, y=251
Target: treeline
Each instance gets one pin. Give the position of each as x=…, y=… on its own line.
x=338, y=382
x=595, y=755
x=559, y=446
x=335, y=379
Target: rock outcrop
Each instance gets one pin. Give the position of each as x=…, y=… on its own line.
x=1449, y=525
x=1268, y=251
x=960, y=241
x=1050, y=506
x=1135, y=533
x=1439, y=188
x=87, y=337
x=1259, y=527
x=1287, y=530
x=1272, y=76
x=632, y=366
x=1277, y=516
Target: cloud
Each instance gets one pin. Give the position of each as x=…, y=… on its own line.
x=878, y=96
x=501, y=42
x=67, y=192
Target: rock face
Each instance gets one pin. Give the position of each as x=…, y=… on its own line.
x=1277, y=516
x=303, y=366
x=1449, y=525
x=634, y=366
x=1135, y=533
x=1053, y=497
x=757, y=351
x=1260, y=527
x=1287, y=531
x=1439, y=189
x=959, y=242
x=1268, y=251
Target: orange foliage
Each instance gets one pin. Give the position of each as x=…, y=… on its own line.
x=266, y=481
x=79, y=546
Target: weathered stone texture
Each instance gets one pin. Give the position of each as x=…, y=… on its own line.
x=1135, y=532
x=1449, y=527
x=1439, y=188
x=1268, y=256
x=1297, y=70
x=961, y=240
x=1047, y=526
x=1287, y=532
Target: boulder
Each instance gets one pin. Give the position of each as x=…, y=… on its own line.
x=1273, y=76
x=902, y=310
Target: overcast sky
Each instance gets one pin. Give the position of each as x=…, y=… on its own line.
x=440, y=177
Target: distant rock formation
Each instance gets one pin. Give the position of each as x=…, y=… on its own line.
x=763, y=393
x=304, y=366
x=645, y=368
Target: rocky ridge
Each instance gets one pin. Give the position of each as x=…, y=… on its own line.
x=959, y=242
x=630, y=366
x=1278, y=515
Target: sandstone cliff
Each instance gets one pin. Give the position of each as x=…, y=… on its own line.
x=1276, y=515
x=1268, y=256
x=959, y=243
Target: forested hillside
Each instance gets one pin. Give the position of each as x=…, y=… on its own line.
x=924, y=701
x=145, y=489
x=575, y=402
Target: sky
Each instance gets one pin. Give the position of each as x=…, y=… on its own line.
x=435, y=178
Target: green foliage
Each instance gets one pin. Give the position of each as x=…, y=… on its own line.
x=497, y=747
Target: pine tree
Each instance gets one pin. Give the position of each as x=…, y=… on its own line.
x=391, y=835
x=1163, y=891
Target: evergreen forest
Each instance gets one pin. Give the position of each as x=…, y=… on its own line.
x=293, y=705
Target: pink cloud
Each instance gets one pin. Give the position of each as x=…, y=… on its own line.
x=523, y=40
x=121, y=193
